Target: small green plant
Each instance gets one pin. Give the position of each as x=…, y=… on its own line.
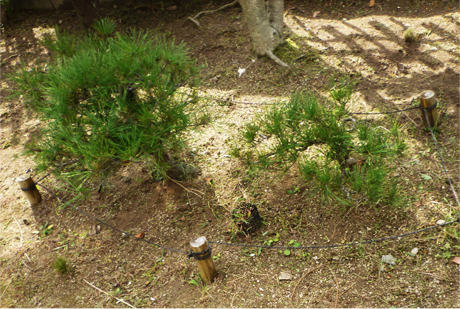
x=410, y=36
x=293, y=190
x=61, y=265
x=445, y=251
x=291, y=243
x=272, y=240
x=193, y=282
x=341, y=91
x=46, y=229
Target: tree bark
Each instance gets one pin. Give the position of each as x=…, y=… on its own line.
x=265, y=23
x=88, y=12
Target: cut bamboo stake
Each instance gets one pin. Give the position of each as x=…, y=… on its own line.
x=203, y=259
x=427, y=100
x=30, y=190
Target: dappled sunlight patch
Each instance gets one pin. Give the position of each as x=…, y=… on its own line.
x=379, y=36
x=40, y=32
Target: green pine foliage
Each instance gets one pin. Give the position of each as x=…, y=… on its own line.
x=321, y=140
x=108, y=98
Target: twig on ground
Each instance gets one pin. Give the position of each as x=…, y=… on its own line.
x=304, y=275
x=20, y=229
x=348, y=289
x=28, y=266
x=6, y=289
x=194, y=19
x=337, y=283
x=405, y=114
x=119, y=300
x=27, y=256
x=189, y=190
x=300, y=57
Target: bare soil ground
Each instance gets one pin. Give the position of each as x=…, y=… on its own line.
x=344, y=39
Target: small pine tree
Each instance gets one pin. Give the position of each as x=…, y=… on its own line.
x=108, y=97
x=340, y=159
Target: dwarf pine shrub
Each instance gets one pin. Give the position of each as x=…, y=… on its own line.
x=344, y=159
x=107, y=98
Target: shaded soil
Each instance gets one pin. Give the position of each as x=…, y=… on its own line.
x=344, y=39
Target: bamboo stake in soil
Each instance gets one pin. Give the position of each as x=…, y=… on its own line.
x=204, y=259
x=30, y=190
x=427, y=100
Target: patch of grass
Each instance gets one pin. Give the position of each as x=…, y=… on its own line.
x=410, y=36
x=61, y=265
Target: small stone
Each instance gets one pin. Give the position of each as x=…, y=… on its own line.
x=285, y=275
x=439, y=222
x=414, y=251
x=93, y=231
x=389, y=259
x=351, y=161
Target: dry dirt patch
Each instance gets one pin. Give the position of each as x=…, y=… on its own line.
x=345, y=39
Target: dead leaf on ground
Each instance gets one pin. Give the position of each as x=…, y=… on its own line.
x=371, y=3
x=140, y=235
x=316, y=14
x=456, y=260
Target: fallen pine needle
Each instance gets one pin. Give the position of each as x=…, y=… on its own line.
x=119, y=300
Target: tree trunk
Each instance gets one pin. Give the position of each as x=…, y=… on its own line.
x=265, y=23
x=88, y=12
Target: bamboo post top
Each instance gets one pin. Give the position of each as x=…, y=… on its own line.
x=23, y=178
x=27, y=186
x=428, y=101
x=203, y=259
x=200, y=241
x=427, y=97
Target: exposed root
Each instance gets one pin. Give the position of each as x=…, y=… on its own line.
x=276, y=59
x=195, y=21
